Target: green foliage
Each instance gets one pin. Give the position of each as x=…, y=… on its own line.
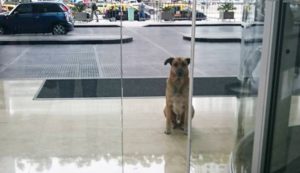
x=79, y=7
x=247, y=7
x=226, y=7
x=168, y=8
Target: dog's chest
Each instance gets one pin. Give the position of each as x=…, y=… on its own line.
x=178, y=105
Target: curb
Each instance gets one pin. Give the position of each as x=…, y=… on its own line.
x=219, y=40
x=224, y=39
x=67, y=40
x=184, y=25
x=96, y=26
x=242, y=24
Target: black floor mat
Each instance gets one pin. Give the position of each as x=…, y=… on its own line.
x=133, y=87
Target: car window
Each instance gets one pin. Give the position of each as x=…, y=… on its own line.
x=38, y=8
x=24, y=8
x=46, y=8
x=52, y=8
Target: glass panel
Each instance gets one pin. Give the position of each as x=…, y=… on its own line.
x=149, y=145
x=222, y=130
x=253, y=17
x=60, y=106
x=285, y=151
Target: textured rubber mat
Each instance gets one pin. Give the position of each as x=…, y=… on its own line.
x=133, y=87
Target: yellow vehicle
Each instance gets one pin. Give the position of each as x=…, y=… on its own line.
x=177, y=6
x=70, y=5
x=101, y=7
x=8, y=7
x=115, y=6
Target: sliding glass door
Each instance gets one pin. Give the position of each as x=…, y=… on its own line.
x=282, y=144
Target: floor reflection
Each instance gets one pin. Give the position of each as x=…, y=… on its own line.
x=80, y=135
x=109, y=164
x=74, y=165
x=217, y=163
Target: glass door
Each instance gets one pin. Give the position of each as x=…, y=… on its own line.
x=61, y=92
x=282, y=146
x=227, y=71
x=149, y=144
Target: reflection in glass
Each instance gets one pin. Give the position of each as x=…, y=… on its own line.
x=285, y=143
x=247, y=88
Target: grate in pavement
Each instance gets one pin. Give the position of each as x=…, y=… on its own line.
x=112, y=70
x=89, y=71
x=53, y=64
x=60, y=58
x=51, y=71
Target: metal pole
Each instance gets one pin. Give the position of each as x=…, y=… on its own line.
x=191, y=83
x=121, y=66
x=264, y=95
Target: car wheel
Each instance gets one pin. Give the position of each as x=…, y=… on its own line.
x=2, y=30
x=58, y=29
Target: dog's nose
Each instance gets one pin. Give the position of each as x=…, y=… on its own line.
x=179, y=72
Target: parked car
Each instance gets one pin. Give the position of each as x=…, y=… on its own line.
x=187, y=14
x=7, y=7
x=37, y=17
x=115, y=14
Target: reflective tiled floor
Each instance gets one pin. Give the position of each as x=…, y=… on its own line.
x=84, y=135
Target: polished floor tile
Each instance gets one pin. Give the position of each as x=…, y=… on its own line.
x=90, y=135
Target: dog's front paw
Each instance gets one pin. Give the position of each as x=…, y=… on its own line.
x=167, y=132
x=185, y=131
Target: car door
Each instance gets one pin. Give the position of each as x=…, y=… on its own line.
x=22, y=19
x=38, y=11
x=48, y=15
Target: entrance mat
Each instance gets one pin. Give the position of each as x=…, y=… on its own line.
x=132, y=87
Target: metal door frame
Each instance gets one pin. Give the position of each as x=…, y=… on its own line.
x=269, y=66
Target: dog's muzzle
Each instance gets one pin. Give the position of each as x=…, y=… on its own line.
x=180, y=72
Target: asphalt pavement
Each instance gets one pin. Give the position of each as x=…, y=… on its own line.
x=142, y=58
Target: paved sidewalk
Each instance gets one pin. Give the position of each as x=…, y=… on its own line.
x=106, y=23
x=63, y=39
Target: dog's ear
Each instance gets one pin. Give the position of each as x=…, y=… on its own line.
x=169, y=60
x=188, y=60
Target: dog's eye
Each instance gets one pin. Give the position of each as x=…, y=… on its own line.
x=175, y=64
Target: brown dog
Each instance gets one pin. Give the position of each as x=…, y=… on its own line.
x=177, y=91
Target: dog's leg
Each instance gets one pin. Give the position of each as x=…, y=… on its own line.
x=174, y=123
x=168, y=114
x=181, y=125
x=193, y=111
x=186, y=119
